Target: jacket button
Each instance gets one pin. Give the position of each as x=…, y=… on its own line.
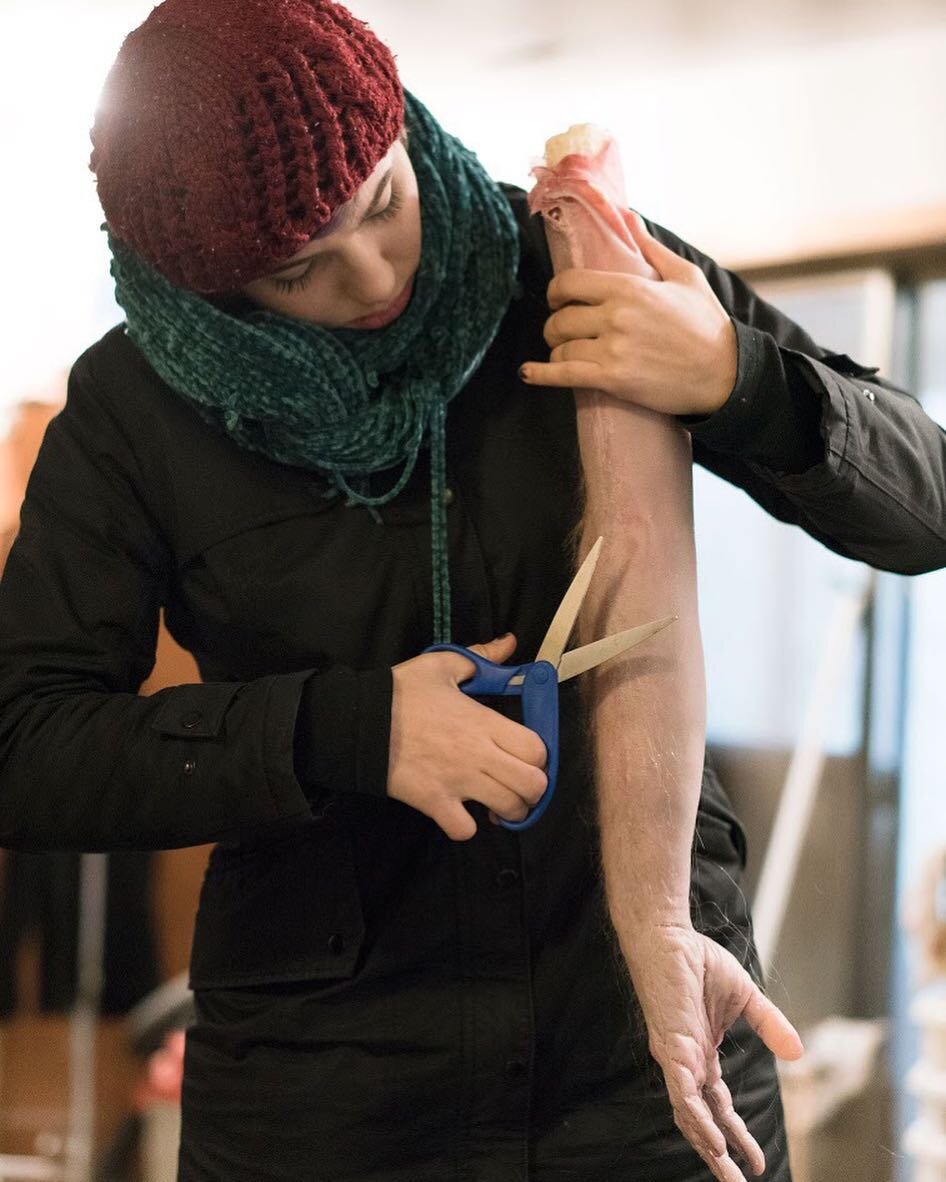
x=507, y=877
x=191, y=719
x=190, y=766
x=336, y=944
x=515, y=1068
x=869, y=394
x=448, y=496
x=322, y=808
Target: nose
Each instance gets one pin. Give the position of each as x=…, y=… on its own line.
x=370, y=278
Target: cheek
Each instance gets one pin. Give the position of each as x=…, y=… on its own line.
x=289, y=305
x=272, y=299
x=411, y=235
x=300, y=305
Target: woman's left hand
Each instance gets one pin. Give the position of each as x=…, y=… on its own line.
x=668, y=345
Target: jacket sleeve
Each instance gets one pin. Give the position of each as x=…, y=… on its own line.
x=821, y=441
x=87, y=763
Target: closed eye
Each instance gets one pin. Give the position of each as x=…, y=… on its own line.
x=392, y=207
x=297, y=283
x=300, y=282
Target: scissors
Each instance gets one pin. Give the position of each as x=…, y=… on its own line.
x=536, y=682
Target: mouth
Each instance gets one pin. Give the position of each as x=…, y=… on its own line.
x=386, y=315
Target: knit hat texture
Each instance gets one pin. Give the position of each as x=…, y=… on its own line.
x=230, y=131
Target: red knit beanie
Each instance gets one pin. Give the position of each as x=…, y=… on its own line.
x=229, y=132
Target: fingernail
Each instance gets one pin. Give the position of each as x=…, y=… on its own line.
x=524, y=372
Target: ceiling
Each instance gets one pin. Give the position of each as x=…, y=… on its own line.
x=497, y=34
x=431, y=36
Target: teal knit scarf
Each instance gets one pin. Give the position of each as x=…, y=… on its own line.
x=350, y=402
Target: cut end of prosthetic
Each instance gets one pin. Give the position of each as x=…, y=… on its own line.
x=579, y=191
x=584, y=139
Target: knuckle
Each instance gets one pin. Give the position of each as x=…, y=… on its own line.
x=615, y=348
x=511, y=803
x=511, y=810
x=449, y=664
x=612, y=319
x=538, y=787
x=619, y=318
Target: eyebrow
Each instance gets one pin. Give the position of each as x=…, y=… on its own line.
x=334, y=222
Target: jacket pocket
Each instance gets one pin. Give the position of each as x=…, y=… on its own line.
x=718, y=905
x=285, y=909
x=719, y=832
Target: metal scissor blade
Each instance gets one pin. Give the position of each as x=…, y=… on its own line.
x=563, y=621
x=579, y=660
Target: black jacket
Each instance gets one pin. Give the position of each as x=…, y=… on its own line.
x=283, y=595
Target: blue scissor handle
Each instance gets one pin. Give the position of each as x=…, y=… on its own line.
x=539, y=693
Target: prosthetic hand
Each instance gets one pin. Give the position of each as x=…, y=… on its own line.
x=691, y=991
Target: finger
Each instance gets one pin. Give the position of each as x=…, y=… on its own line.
x=500, y=799
x=734, y=1128
x=582, y=375
x=455, y=821
x=585, y=286
x=524, y=779
x=581, y=350
x=518, y=741
x=574, y=320
x=697, y=1124
x=690, y=1110
x=666, y=262
x=771, y=1025
x=724, y=1168
x=695, y=1121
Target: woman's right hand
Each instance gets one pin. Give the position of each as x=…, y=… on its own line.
x=447, y=747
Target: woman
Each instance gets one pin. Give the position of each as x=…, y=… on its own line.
x=388, y=987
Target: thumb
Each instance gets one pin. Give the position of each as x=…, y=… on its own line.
x=496, y=650
x=456, y=822
x=667, y=263
x=771, y=1025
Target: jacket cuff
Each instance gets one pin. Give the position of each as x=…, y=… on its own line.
x=343, y=732
x=772, y=416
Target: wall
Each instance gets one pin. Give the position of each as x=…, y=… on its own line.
x=740, y=151
x=739, y=142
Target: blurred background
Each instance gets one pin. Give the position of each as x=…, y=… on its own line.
x=796, y=142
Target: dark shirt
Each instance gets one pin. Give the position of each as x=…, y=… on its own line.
x=474, y=986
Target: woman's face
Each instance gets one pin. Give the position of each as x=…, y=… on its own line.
x=362, y=264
